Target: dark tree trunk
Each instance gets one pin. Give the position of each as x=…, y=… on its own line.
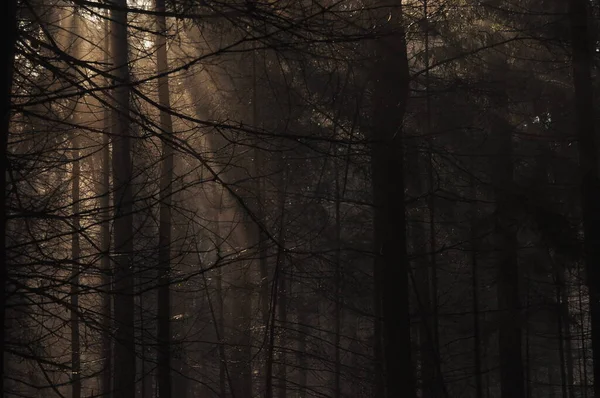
x=387, y=162
x=302, y=355
x=74, y=279
x=419, y=240
x=512, y=382
x=284, y=285
x=9, y=22
x=566, y=317
x=338, y=297
x=145, y=364
x=436, y=388
x=583, y=341
x=241, y=357
x=474, y=247
x=220, y=327
x=105, y=264
x=378, y=362
x=581, y=47
x=125, y=358
x=75, y=246
x=163, y=377
x=560, y=326
x=261, y=237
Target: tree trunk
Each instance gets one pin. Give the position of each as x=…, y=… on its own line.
x=164, y=245
x=389, y=103
x=338, y=297
x=436, y=388
x=474, y=247
x=241, y=358
x=74, y=279
x=262, y=248
x=75, y=247
x=145, y=373
x=566, y=316
x=9, y=22
x=125, y=357
x=581, y=47
x=419, y=240
x=105, y=265
x=582, y=340
x=560, y=325
x=283, y=287
x=512, y=382
x=378, y=357
x=220, y=335
x=302, y=355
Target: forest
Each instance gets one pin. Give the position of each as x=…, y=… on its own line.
x=300, y=199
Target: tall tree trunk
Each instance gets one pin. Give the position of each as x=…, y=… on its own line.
x=378, y=355
x=270, y=329
x=284, y=286
x=302, y=356
x=419, y=239
x=560, y=287
x=241, y=358
x=74, y=279
x=527, y=361
x=262, y=248
x=566, y=317
x=221, y=330
x=581, y=47
x=145, y=374
x=105, y=263
x=436, y=388
x=389, y=103
x=512, y=382
x=164, y=244
x=220, y=321
x=75, y=246
x=582, y=340
x=338, y=297
x=265, y=296
x=474, y=247
x=282, y=315
x=9, y=22
x=125, y=358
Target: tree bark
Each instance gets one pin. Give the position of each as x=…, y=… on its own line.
x=436, y=388
x=125, y=357
x=566, y=317
x=75, y=246
x=283, y=287
x=474, y=247
x=387, y=157
x=581, y=47
x=164, y=244
x=220, y=327
x=105, y=263
x=302, y=354
x=338, y=297
x=9, y=21
x=512, y=381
